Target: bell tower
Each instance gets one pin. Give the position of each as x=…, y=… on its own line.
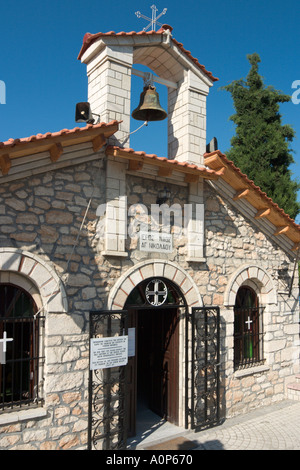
x=110, y=59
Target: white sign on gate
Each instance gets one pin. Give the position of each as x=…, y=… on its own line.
x=131, y=342
x=108, y=352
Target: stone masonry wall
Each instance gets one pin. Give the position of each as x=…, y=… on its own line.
x=43, y=214
x=232, y=241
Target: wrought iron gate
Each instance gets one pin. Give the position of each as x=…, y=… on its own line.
x=203, y=366
x=107, y=428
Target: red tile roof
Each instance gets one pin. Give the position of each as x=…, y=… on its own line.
x=89, y=38
x=241, y=183
x=54, y=143
x=51, y=135
x=218, y=166
x=183, y=167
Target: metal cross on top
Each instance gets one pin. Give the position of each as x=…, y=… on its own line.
x=3, y=347
x=153, y=21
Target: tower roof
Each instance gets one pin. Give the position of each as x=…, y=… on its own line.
x=149, y=37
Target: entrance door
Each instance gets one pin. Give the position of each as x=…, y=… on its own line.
x=107, y=427
x=154, y=369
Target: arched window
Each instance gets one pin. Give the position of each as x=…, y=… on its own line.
x=19, y=347
x=247, y=328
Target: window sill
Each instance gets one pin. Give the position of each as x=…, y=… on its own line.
x=250, y=371
x=22, y=415
x=120, y=254
x=195, y=259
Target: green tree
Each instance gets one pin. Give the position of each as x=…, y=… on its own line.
x=260, y=147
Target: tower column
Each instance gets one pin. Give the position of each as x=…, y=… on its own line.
x=109, y=86
x=187, y=120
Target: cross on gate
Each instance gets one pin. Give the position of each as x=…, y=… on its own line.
x=5, y=340
x=153, y=20
x=248, y=322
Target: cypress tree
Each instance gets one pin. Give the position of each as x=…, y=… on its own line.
x=260, y=147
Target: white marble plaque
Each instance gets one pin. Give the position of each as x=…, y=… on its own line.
x=156, y=242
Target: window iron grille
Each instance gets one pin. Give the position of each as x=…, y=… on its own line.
x=248, y=336
x=21, y=362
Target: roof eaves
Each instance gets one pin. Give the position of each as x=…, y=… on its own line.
x=247, y=189
x=172, y=165
x=89, y=38
x=195, y=61
x=54, y=142
x=106, y=127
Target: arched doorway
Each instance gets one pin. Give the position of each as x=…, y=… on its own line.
x=153, y=320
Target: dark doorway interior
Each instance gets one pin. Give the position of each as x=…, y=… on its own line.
x=153, y=371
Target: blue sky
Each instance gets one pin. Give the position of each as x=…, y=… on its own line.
x=40, y=41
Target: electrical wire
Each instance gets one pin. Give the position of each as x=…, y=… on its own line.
x=80, y=229
x=70, y=256
x=133, y=132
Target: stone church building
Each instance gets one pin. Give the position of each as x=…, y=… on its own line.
x=129, y=278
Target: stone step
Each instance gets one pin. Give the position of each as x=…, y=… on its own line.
x=294, y=386
x=293, y=389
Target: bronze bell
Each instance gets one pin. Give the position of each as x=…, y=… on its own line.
x=149, y=108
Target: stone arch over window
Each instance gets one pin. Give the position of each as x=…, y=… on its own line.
x=34, y=275
x=145, y=270
x=255, y=277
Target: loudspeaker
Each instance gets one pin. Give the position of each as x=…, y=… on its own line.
x=83, y=113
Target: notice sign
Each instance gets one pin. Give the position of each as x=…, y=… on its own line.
x=155, y=241
x=131, y=342
x=108, y=352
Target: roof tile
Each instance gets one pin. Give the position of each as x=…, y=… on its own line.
x=253, y=186
x=89, y=38
x=48, y=135
x=204, y=171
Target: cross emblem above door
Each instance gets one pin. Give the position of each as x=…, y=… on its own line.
x=156, y=292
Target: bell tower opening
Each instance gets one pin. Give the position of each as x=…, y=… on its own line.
x=111, y=59
x=153, y=137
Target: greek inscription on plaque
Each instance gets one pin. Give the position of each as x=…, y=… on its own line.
x=108, y=352
x=156, y=242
